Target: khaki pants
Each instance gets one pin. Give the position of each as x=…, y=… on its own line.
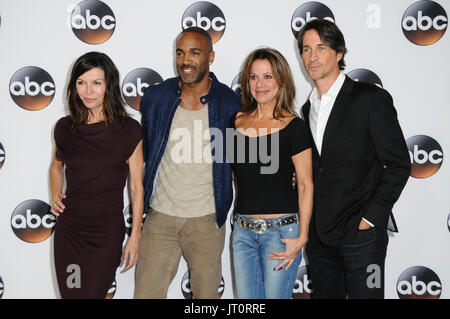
x=164, y=240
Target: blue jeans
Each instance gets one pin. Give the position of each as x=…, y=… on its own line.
x=255, y=276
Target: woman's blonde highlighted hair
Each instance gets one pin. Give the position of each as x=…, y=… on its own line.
x=282, y=75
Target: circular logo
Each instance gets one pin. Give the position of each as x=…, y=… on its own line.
x=32, y=88
x=236, y=84
x=307, y=12
x=2, y=287
x=207, y=16
x=426, y=156
x=32, y=221
x=92, y=21
x=302, y=286
x=366, y=76
x=2, y=155
x=186, y=287
x=448, y=222
x=112, y=291
x=128, y=217
x=424, y=22
x=419, y=282
x=135, y=83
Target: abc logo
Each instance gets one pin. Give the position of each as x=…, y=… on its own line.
x=135, y=83
x=302, y=287
x=366, y=76
x=32, y=221
x=425, y=154
x=128, y=218
x=448, y=222
x=186, y=287
x=424, y=22
x=419, y=283
x=2, y=287
x=32, y=88
x=307, y=12
x=236, y=84
x=112, y=291
x=92, y=21
x=2, y=155
x=207, y=16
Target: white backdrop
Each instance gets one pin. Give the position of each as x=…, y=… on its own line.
x=39, y=33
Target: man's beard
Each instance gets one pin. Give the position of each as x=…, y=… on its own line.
x=200, y=76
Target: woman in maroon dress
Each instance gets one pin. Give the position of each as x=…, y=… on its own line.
x=99, y=146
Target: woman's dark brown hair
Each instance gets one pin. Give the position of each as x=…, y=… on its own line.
x=113, y=105
x=282, y=75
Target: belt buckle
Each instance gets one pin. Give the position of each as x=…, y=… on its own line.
x=262, y=226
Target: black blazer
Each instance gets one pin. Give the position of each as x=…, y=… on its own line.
x=363, y=166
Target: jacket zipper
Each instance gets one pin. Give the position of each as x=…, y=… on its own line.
x=213, y=169
x=159, y=150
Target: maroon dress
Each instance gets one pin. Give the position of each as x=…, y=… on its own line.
x=89, y=233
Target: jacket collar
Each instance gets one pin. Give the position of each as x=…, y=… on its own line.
x=205, y=98
x=337, y=113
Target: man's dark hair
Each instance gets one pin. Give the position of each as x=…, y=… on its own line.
x=329, y=33
x=200, y=31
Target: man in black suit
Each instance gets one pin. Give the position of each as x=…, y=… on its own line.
x=361, y=164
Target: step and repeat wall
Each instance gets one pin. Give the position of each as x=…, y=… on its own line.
x=400, y=45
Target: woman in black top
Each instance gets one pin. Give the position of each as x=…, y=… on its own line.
x=270, y=143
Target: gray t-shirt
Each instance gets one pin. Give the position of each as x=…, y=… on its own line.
x=184, y=184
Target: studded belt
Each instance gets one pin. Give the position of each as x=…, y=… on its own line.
x=260, y=225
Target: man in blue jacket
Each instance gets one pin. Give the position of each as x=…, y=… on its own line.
x=188, y=184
